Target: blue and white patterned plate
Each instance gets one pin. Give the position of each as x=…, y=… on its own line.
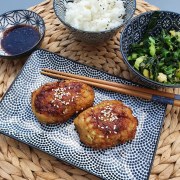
x=132, y=160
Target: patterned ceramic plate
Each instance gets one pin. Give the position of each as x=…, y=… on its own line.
x=132, y=160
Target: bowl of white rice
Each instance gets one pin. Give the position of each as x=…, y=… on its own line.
x=94, y=21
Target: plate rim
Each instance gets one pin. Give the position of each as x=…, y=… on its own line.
x=33, y=146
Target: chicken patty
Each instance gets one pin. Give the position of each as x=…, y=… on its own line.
x=106, y=125
x=56, y=102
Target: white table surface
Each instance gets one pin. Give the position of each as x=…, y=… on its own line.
x=7, y=5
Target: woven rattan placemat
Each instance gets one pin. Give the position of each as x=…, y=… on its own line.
x=19, y=161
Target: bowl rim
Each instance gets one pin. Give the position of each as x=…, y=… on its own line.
x=131, y=67
x=36, y=44
x=94, y=32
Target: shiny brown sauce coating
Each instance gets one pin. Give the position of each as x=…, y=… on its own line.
x=110, y=125
x=54, y=98
x=106, y=125
x=56, y=102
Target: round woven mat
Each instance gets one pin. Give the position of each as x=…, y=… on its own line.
x=19, y=161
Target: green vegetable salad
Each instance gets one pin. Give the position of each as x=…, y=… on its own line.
x=158, y=58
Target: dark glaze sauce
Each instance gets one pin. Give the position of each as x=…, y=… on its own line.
x=45, y=101
x=19, y=39
x=107, y=125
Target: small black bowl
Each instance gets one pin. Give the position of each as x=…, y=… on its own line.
x=16, y=18
x=133, y=33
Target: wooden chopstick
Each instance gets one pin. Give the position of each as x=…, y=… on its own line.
x=149, y=94
x=130, y=87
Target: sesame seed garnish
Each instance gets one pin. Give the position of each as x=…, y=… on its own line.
x=107, y=114
x=100, y=136
x=59, y=93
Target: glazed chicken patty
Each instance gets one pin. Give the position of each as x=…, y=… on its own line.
x=106, y=125
x=56, y=102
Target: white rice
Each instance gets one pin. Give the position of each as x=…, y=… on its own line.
x=95, y=15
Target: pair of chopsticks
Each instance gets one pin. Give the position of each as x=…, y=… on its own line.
x=145, y=93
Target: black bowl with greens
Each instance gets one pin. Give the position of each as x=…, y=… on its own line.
x=150, y=46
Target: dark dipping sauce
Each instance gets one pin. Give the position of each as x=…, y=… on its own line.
x=19, y=39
